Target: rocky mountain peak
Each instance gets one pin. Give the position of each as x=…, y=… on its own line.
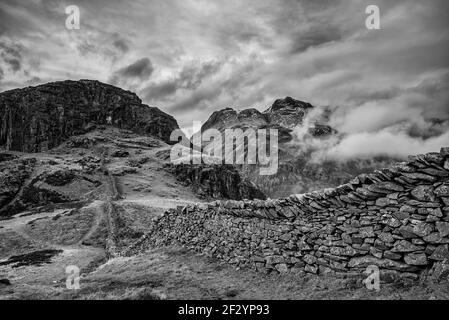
x=288, y=103
x=287, y=112
x=39, y=118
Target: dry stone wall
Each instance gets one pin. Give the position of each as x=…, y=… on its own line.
x=396, y=219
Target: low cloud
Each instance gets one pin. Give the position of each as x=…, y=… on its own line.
x=385, y=142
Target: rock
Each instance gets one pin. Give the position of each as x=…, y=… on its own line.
x=440, y=271
x=408, y=209
x=343, y=251
x=386, y=237
x=282, y=268
x=123, y=170
x=422, y=229
x=13, y=177
x=436, y=212
x=405, y=246
x=443, y=228
x=382, y=202
x=435, y=172
x=309, y=259
x=419, y=176
x=433, y=238
x=441, y=253
x=217, y=181
x=275, y=260
x=423, y=193
x=442, y=191
x=366, y=232
x=407, y=232
x=389, y=186
x=311, y=268
x=120, y=154
x=444, y=152
x=365, y=261
x=365, y=193
x=392, y=256
x=416, y=259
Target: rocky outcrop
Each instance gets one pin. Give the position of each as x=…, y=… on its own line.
x=13, y=176
x=396, y=219
x=25, y=184
x=287, y=112
x=215, y=181
x=39, y=118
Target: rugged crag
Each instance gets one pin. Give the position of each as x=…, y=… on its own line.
x=216, y=181
x=27, y=183
x=396, y=219
x=39, y=118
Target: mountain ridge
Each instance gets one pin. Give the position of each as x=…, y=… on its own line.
x=41, y=117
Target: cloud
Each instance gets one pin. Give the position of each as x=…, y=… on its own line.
x=10, y=55
x=385, y=142
x=139, y=70
x=121, y=44
x=189, y=78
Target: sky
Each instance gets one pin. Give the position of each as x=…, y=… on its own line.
x=192, y=57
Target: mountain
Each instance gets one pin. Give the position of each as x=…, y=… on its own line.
x=303, y=131
x=39, y=118
x=284, y=115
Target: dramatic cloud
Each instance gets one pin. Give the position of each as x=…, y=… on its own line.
x=193, y=57
x=140, y=69
x=10, y=56
x=189, y=78
x=386, y=142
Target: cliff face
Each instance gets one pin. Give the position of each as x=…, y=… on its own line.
x=216, y=181
x=39, y=118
